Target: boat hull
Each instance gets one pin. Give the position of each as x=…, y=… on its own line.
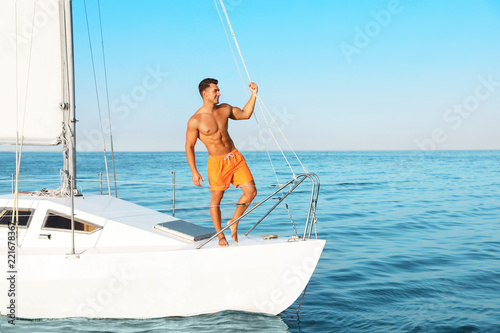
x=126, y=268
x=252, y=276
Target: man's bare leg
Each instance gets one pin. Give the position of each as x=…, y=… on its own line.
x=215, y=200
x=249, y=193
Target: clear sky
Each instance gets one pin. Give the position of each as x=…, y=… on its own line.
x=337, y=75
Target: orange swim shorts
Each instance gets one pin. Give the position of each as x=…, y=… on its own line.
x=227, y=169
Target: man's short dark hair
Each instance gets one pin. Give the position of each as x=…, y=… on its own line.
x=205, y=83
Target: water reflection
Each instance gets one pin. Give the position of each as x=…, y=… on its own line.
x=227, y=321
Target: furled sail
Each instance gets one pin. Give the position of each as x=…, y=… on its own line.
x=31, y=83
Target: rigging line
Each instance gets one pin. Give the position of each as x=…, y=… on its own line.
x=15, y=212
x=260, y=99
x=246, y=70
x=283, y=135
x=274, y=170
x=16, y=193
x=17, y=81
x=29, y=68
x=270, y=159
x=19, y=148
x=231, y=47
x=107, y=99
x=97, y=95
x=241, y=76
x=234, y=37
x=276, y=176
x=268, y=154
x=255, y=115
x=276, y=141
x=243, y=81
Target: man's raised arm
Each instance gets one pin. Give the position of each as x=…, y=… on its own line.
x=247, y=111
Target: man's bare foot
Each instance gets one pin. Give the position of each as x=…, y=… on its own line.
x=223, y=241
x=234, y=230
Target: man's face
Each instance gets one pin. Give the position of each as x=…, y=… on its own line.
x=212, y=93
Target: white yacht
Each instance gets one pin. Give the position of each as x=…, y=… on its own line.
x=69, y=254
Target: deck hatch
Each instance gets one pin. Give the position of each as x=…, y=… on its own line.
x=185, y=230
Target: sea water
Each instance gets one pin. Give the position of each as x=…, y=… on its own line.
x=413, y=238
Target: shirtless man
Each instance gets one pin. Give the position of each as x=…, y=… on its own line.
x=225, y=164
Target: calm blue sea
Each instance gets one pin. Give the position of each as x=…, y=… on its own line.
x=413, y=238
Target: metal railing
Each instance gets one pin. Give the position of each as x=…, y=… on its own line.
x=311, y=214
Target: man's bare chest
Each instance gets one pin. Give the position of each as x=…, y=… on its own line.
x=210, y=124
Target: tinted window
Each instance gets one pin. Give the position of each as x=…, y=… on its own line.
x=24, y=216
x=57, y=221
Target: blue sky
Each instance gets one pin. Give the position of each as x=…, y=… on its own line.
x=337, y=75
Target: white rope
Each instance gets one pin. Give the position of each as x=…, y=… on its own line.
x=242, y=80
x=276, y=141
x=260, y=106
x=261, y=103
x=248, y=75
x=283, y=135
x=268, y=155
x=19, y=146
x=97, y=96
x=28, y=72
x=107, y=100
x=235, y=40
x=276, y=176
x=231, y=47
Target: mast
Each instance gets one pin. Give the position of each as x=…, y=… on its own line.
x=68, y=102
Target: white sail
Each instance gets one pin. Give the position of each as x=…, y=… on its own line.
x=31, y=84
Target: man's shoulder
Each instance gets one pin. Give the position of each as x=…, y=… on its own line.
x=194, y=120
x=223, y=108
x=197, y=114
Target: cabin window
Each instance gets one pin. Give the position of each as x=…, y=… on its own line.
x=24, y=216
x=58, y=221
